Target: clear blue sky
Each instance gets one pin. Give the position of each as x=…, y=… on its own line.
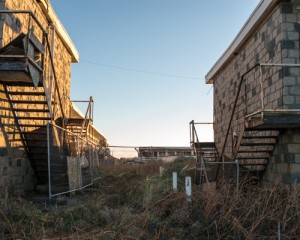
x=176, y=37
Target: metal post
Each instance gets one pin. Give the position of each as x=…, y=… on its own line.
x=175, y=181
x=188, y=188
x=49, y=160
x=90, y=162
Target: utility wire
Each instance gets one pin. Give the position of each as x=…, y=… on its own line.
x=137, y=70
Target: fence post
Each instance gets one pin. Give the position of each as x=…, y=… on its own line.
x=175, y=181
x=49, y=160
x=188, y=188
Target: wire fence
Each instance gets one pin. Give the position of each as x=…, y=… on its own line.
x=73, y=162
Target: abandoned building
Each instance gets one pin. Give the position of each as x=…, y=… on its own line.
x=164, y=153
x=257, y=95
x=41, y=128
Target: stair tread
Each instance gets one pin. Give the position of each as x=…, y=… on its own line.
x=256, y=151
x=257, y=144
x=29, y=102
x=259, y=137
x=34, y=118
x=26, y=93
x=253, y=157
x=32, y=125
x=31, y=110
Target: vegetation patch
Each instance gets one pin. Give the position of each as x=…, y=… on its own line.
x=135, y=202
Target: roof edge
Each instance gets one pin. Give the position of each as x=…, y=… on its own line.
x=260, y=12
x=60, y=29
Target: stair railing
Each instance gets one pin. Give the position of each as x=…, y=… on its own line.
x=196, y=145
x=222, y=156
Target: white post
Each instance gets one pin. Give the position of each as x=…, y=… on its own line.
x=161, y=171
x=188, y=188
x=175, y=181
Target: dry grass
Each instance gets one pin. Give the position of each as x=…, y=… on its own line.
x=133, y=202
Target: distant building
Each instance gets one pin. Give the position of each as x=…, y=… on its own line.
x=164, y=153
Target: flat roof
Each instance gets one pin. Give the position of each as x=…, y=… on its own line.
x=258, y=15
x=59, y=29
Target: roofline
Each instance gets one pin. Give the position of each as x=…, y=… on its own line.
x=258, y=15
x=59, y=28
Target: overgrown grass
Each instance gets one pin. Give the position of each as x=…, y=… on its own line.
x=134, y=202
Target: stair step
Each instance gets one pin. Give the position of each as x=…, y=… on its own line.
x=33, y=125
x=253, y=170
x=36, y=140
x=37, y=147
x=28, y=102
x=256, y=151
x=26, y=93
x=34, y=133
x=259, y=137
x=253, y=157
x=31, y=110
x=252, y=164
x=257, y=144
x=34, y=118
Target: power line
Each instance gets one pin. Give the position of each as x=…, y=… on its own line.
x=138, y=70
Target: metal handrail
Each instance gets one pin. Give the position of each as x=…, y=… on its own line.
x=262, y=96
x=232, y=115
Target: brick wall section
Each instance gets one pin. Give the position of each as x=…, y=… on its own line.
x=15, y=169
x=275, y=41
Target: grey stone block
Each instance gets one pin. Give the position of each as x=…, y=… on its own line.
x=287, y=44
x=289, y=81
x=293, y=148
x=286, y=8
x=297, y=158
x=288, y=100
x=295, y=90
x=294, y=36
x=296, y=138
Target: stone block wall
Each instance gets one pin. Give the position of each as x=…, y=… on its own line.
x=291, y=54
x=284, y=165
x=16, y=174
x=276, y=40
